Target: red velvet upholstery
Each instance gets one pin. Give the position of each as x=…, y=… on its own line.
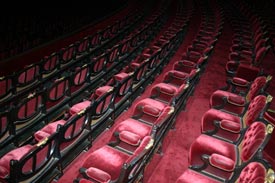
x=239, y=81
x=80, y=75
x=254, y=137
x=194, y=57
x=247, y=72
x=185, y=66
x=163, y=92
x=222, y=162
x=205, y=144
x=83, y=105
x=176, y=78
x=48, y=130
x=28, y=75
x=235, y=103
x=228, y=101
x=98, y=174
x=129, y=138
x=253, y=172
x=79, y=107
x=253, y=111
x=107, y=159
x=150, y=111
x=190, y=176
x=253, y=140
x=30, y=107
x=110, y=161
x=50, y=64
x=5, y=87
x=15, y=154
x=257, y=85
x=230, y=126
x=134, y=126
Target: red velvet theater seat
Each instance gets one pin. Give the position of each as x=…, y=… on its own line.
x=15, y=154
x=167, y=93
x=236, y=103
x=194, y=57
x=228, y=126
x=50, y=65
x=27, y=77
x=99, y=92
x=188, y=67
x=149, y=110
x=6, y=87
x=176, y=78
x=217, y=157
x=30, y=162
x=108, y=164
x=232, y=64
x=255, y=171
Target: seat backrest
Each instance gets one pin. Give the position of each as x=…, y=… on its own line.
x=255, y=172
x=27, y=76
x=261, y=53
x=26, y=111
x=95, y=40
x=98, y=64
x=68, y=54
x=57, y=91
x=113, y=54
x=136, y=163
x=49, y=64
x=124, y=82
x=258, y=85
x=75, y=129
x=79, y=77
x=4, y=127
x=255, y=109
x=82, y=46
x=6, y=87
x=36, y=163
x=254, y=141
x=103, y=98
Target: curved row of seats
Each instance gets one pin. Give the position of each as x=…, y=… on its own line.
x=54, y=146
x=41, y=106
x=135, y=139
x=234, y=134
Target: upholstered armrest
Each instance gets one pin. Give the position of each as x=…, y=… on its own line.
x=240, y=82
x=228, y=125
x=222, y=162
x=166, y=113
x=96, y=174
x=130, y=138
x=236, y=100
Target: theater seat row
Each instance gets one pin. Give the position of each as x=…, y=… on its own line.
x=49, y=148
x=234, y=135
x=151, y=116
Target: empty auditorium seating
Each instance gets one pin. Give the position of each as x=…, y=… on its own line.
x=257, y=170
x=218, y=157
x=108, y=106
x=236, y=103
x=229, y=126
